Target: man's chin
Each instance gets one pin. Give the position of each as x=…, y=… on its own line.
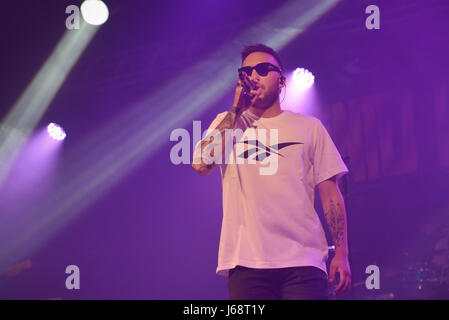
x=260, y=104
x=265, y=102
x=260, y=107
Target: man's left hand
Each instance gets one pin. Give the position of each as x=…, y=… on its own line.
x=340, y=265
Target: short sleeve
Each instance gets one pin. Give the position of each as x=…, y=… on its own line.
x=219, y=118
x=326, y=159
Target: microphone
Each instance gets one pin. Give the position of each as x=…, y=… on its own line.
x=247, y=84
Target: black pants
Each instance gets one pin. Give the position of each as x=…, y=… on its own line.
x=293, y=283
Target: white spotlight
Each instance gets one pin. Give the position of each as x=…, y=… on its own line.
x=95, y=12
x=56, y=132
x=303, y=77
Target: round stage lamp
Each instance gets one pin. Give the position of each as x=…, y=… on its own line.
x=56, y=132
x=95, y=12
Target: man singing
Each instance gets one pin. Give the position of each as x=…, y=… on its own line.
x=272, y=243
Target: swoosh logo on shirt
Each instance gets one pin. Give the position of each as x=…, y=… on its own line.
x=261, y=151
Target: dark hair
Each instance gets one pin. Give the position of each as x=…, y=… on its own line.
x=259, y=47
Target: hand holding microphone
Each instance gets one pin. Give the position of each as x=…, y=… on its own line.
x=245, y=92
x=246, y=83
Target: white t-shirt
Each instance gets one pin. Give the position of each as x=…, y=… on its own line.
x=269, y=220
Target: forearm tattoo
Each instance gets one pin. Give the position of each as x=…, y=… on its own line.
x=228, y=122
x=335, y=218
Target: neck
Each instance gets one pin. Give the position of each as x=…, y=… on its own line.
x=270, y=112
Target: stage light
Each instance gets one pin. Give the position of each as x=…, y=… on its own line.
x=303, y=77
x=95, y=12
x=300, y=95
x=56, y=132
x=23, y=117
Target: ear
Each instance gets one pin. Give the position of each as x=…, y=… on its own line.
x=282, y=80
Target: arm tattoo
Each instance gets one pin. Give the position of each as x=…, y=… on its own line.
x=336, y=221
x=228, y=122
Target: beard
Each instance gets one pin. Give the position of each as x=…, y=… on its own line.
x=267, y=101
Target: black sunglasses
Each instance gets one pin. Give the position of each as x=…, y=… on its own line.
x=261, y=68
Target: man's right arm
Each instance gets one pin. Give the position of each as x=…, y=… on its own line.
x=242, y=101
x=228, y=122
